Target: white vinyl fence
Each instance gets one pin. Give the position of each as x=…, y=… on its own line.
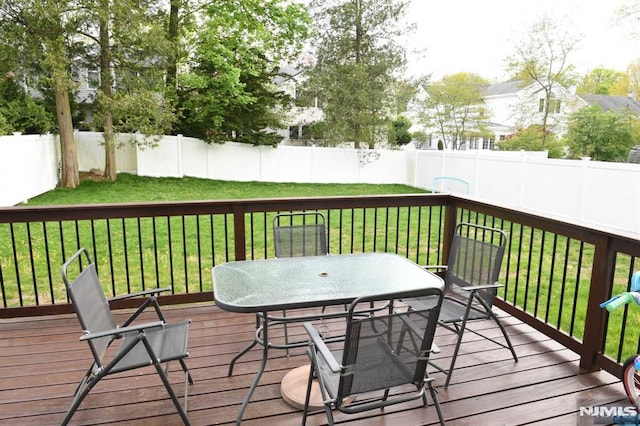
x=592, y=193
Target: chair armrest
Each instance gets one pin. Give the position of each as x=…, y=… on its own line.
x=322, y=348
x=139, y=293
x=435, y=267
x=480, y=287
x=121, y=330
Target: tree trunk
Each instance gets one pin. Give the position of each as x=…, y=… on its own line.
x=172, y=35
x=68, y=150
x=109, y=148
x=105, y=88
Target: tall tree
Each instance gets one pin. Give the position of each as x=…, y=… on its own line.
x=542, y=57
x=359, y=54
x=455, y=106
x=229, y=89
x=125, y=40
x=39, y=33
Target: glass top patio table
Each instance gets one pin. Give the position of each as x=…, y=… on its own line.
x=303, y=282
x=277, y=284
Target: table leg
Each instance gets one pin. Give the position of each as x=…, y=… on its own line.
x=244, y=350
x=263, y=364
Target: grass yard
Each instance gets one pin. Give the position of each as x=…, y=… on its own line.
x=130, y=188
x=176, y=251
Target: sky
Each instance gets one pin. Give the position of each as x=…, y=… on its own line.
x=477, y=35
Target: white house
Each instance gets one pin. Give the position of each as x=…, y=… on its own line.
x=514, y=105
x=300, y=116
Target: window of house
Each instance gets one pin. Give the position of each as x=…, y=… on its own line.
x=487, y=143
x=93, y=79
x=294, y=132
x=503, y=137
x=305, y=132
x=554, y=105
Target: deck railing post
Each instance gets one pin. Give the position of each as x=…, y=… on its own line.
x=239, y=237
x=599, y=290
x=449, y=229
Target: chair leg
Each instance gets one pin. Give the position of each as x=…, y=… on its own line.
x=286, y=333
x=172, y=394
x=436, y=402
x=505, y=335
x=83, y=390
x=460, y=331
x=186, y=371
x=307, y=398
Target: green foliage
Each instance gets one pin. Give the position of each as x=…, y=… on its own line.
x=5, y=127
x=455, y=106
x=602, y=135
x=399, y=134
x=602, y=81
x=359, y=53
x=21, y=113
x=228, y=94
x=532, y=139
x=138, y=111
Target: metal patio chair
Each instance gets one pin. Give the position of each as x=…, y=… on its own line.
x=140, y=345
x=299, y=234
x=471, y=283
x=383, y=360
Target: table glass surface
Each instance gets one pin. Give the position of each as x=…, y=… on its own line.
x=286, y=283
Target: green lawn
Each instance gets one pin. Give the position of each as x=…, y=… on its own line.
x=131, y=188
x=172, y=251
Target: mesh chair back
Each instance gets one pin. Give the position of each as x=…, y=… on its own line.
x=90, y=303
x=388, y=350
x=475, y=258
x=299, y=234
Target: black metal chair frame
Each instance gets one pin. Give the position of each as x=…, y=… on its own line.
x=151, y=343
x=339, y=372
x=469, y=291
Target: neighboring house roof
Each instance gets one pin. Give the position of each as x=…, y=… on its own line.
x=613, y=103
x=506, y=88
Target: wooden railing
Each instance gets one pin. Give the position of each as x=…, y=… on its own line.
x=555, y=273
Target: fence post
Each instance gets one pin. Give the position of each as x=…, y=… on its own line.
x=594, y=325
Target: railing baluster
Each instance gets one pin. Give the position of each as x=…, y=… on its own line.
x=125, y=249
x=185, y=254
x=141, y=255
x=16, y=265
x=170, y=247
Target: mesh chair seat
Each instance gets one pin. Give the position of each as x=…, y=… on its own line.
x=168, y=342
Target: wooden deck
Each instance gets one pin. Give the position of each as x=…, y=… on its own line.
x=42, y=361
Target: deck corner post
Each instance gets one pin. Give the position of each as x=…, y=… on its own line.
x=599, y=290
